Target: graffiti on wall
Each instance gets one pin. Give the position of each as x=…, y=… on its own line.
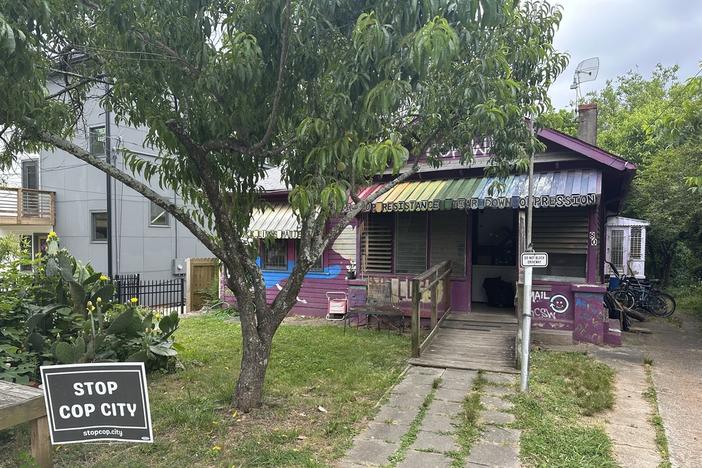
x=554, y=307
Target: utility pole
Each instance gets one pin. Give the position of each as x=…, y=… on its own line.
x=526, y=302
x=108, y=189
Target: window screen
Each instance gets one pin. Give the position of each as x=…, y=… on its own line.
x=617, y=256
x=274, y=254
x=448, y=240
x=98, y=224
x=158, y=216
x=376, y=243
x=635, y=247
x=563, y=233
x=411, y=243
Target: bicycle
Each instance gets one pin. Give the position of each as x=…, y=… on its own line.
x=641, y=294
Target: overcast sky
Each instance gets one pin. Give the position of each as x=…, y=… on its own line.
x=626, y=35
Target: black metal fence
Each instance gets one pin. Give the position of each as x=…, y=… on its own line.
x=164, y=295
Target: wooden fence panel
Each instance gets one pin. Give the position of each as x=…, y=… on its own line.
x=199, y=276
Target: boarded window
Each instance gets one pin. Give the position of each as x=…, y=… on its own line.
x=563, y=233
x=376, y=243
x=448, y=240
x=635, y=246
x=411, y=243
x=617, y=253
x=274, y=254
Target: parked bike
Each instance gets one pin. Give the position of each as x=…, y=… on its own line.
x=641, y=295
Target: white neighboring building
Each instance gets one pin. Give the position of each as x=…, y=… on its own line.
x=626, y=245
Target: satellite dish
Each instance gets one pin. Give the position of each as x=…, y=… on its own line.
x=585, y=71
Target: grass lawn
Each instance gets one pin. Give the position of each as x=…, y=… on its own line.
x=195, y=424
x=564, y=389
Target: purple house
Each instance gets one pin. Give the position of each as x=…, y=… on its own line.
x=451, y=214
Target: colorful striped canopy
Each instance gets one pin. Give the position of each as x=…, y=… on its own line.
x=551, y=189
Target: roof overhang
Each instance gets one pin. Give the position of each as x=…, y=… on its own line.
x=277, y=221
x=569, y=188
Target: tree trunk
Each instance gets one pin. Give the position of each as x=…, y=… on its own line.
x=254, y=362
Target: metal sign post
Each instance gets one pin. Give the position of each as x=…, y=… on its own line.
x=526, y=303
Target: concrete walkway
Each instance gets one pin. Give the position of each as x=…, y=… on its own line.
x=628, y=424
x=676, y=350
x=403, y=434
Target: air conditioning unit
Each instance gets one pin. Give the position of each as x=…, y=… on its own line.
x=178, y=266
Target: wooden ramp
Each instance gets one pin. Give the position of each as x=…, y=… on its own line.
x=476, y=340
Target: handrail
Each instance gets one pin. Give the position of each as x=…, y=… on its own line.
x=20, y=205
x=436, y=274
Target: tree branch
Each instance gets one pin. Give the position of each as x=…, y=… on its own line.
x=178, y=212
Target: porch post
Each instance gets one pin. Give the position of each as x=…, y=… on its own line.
x=415, y=318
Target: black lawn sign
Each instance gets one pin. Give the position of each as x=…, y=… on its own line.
x=97, y=402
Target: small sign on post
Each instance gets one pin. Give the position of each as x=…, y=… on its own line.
x=97, y=402
x=534, y=259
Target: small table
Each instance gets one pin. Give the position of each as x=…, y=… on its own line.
x=20, y=404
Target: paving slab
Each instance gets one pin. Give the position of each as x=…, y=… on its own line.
x=385, y=432
x=415, y=459
x=435, y=442
x=496, y=403
x=369, y=452
x=405, y=400
x=450, y=394
x=498, y=391
x=395, y=415
x=438, y=423
x=496, y=417
x=498, y=378
x=449, y=408
x=501, y=435
x=487, y=454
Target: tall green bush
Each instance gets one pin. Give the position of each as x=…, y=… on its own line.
x=62, y=311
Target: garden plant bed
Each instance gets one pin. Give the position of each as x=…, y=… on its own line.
x=321, y=386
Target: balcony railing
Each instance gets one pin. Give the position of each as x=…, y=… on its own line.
x=27, y=207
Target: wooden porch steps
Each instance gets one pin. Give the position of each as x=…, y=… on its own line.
x=473, y=341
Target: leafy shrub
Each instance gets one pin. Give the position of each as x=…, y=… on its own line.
x=64, y=312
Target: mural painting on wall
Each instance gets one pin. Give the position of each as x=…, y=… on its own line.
x=554, y=308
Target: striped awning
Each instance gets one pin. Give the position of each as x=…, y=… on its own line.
x=277, y=221
x=551, y=189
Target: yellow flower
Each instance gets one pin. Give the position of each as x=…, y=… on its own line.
x=134, y=300
x=52, y=235
x=90, y=304
x=98, y=300
x=216, y=448
x=104, y=278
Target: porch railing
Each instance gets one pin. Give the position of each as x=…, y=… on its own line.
x=429, y=281
x=27, y=206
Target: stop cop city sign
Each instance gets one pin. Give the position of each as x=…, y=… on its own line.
x=97, y=402
x=534, y=259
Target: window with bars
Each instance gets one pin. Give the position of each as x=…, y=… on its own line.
x=448, y=240
x=617, y=252
x=635, y=244
x=376, y=243
x=411, y=243
x=274, y=254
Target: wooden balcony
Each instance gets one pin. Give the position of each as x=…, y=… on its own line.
x=20, y=206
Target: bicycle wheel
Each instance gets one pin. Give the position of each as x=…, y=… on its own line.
x=624, y=297
x=668, y=303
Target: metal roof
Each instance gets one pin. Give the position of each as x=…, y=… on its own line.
x=278, y=221
x=551, y=189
